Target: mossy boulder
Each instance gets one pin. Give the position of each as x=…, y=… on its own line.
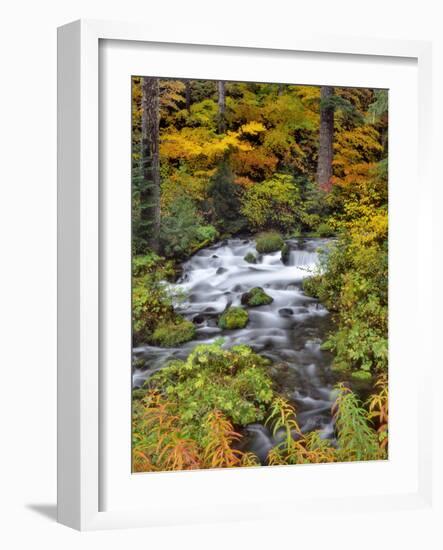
x=173, y=333
x=256, y=297
x=233, y=317
x=361, y=375
x=285, y=253
x=268, y=242
x=250, y=258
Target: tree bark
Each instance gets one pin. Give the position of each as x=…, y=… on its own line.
x=325, y=149
x=188, y=95
x=221, y=107
x=150, y=189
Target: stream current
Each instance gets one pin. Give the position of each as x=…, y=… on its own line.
x=289, y=331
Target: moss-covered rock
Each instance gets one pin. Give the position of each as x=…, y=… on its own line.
x=361, y=375
x=250, y=258
x=285, y=252
x=233, y=317
x=173, y=333
x=256, y=297
x=269, y=242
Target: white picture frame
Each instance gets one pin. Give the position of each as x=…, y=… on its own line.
x=80, y=262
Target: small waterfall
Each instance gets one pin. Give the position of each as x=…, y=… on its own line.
x=303, y=258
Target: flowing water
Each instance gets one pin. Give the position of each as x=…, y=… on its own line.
x=289, y=331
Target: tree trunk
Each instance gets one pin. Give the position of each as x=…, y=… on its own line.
x=188, y=95
x=221, y=107
x=325, y=150
x=150, y=189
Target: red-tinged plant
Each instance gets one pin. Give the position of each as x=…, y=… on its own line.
x=378, y=405
x=218, y=451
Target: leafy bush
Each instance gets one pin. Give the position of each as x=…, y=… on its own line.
x=182, y=229
x=206, y=234
x=356, y=438
x=173, y=333
x=256, y=297
x=233, y=381
x=324, y=230
x=269, y=242
x=186, y=419
x=272, y=204
x=151, y=305
x=378, y=405
x=353, y=283
x=250, y=258
x=233, y=318
x=152, y=264
x=151, y=299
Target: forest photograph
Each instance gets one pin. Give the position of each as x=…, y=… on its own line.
x=259, y=274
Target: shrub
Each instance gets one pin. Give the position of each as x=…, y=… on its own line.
x=269, y=242
x=311, y=285
x=182, y=229
x=272, y=203
x=173, y=333
x=186, y=418
x=353, y=283
x=256, y=297
x=151, y=298
x=233, y=318
x=324, y=230
x=356, y=439
x=233, y=381
x=378, y=405
x=152, y=264
x=250, y=258
x=206, y=234
x=151, y=305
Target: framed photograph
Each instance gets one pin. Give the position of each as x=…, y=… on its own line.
x=239, y=226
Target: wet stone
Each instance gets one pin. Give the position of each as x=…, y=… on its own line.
x=285, y=312
x=198, y=319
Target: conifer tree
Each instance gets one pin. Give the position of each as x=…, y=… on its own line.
x=149, y=229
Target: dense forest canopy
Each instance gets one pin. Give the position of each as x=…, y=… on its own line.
x=213, y=160
x=245, y=156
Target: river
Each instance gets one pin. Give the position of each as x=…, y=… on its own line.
x=289, y=331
